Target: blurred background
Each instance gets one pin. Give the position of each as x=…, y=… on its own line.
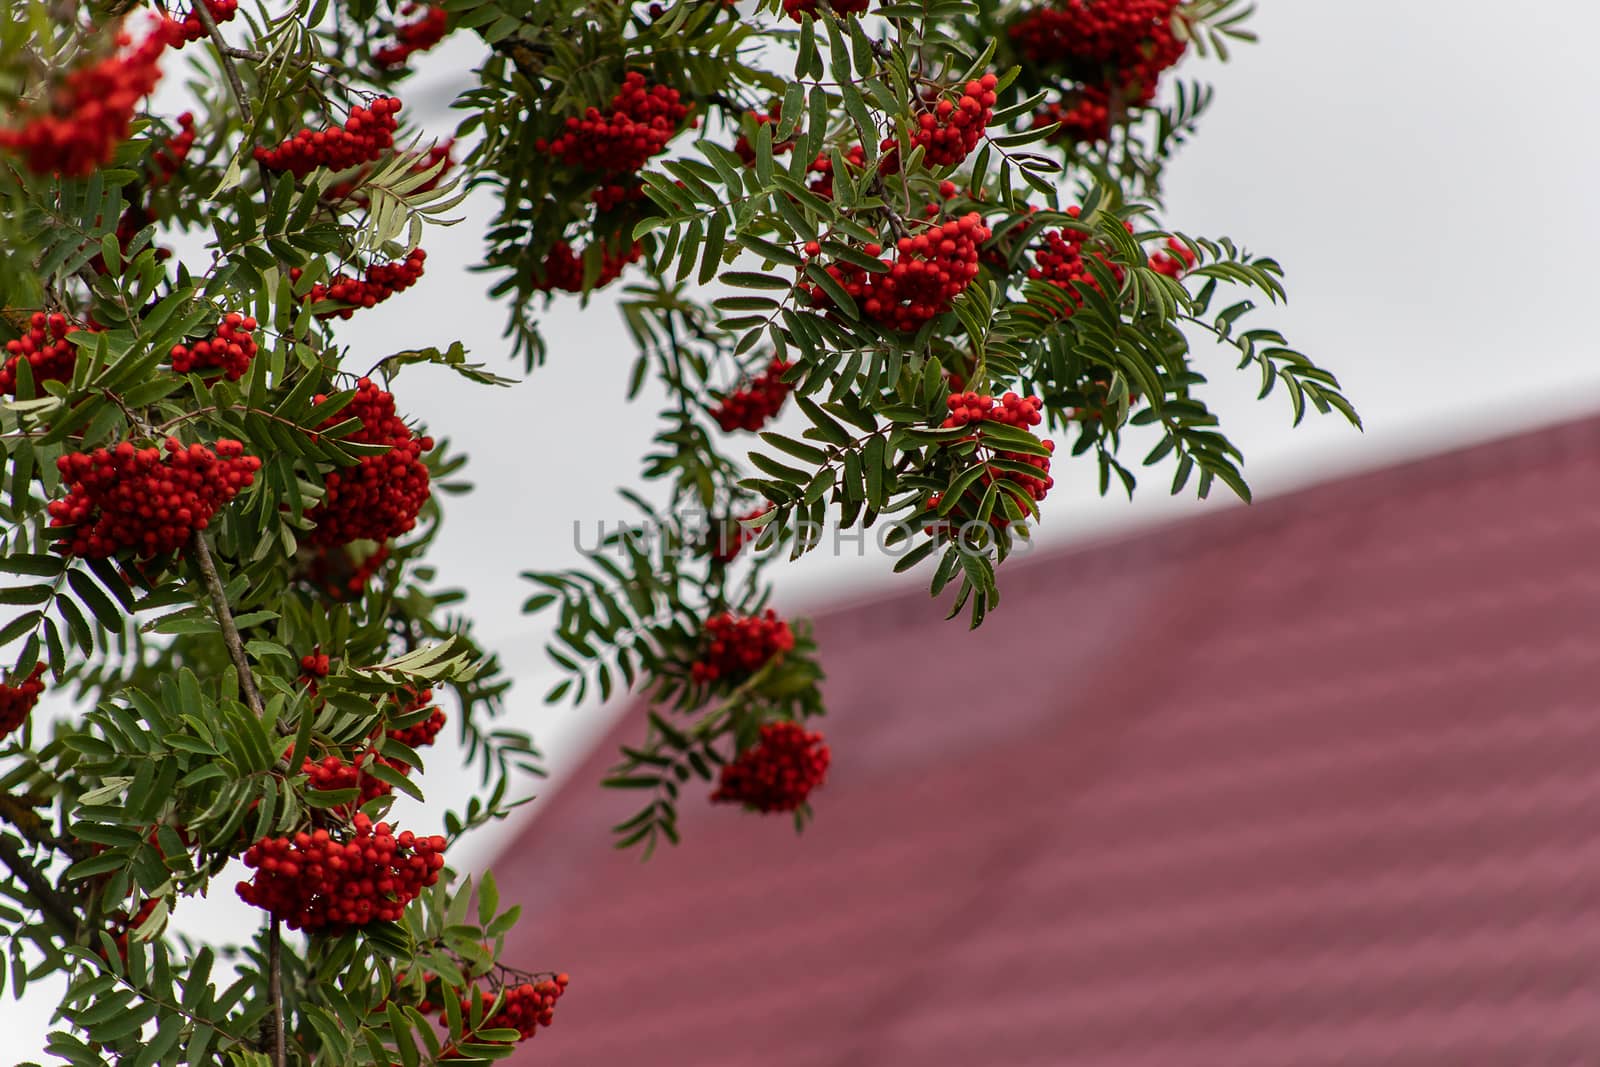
x=1424, y=171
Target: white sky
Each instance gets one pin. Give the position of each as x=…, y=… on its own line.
x=1425, y=170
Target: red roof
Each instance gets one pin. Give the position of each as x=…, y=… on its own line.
x=1313, y=782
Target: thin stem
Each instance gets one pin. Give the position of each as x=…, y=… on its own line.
x=201, y=551
x=275, y=990
x=229, y=70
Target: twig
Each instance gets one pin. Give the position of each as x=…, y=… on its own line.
x=50, y=902
x=201, y=551
x=275, y=990
x=255, y=56
x=17, y=809
x=231, y=71
x=225, y=55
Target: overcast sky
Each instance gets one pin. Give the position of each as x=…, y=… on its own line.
x=1425, y=170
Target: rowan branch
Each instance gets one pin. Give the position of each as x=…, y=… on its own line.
x=229, y=69
x=275, y=990
x=52, y=903
x=200, y=549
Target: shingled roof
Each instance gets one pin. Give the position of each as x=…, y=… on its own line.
x=1314, y=782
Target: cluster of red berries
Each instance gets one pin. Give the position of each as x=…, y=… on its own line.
x=1104, y=47
x=335, y=772
x=124, y=924
x=948, y=132
x=135, y=217
x=17, y=700
x=931, y=270
x=380, y=496
x=1081, y=114
x=92, y=110
x=173, y=151
x=129, y=498
x=563, y=267
x=822, y=167
x=743, y=148
x=1062, y=262
x=524, y=1008
x=49, y=354
x=730, y=536
x=973, y=409
x=313, y=668
x=1126, y=43
x=230, y=350
x=316, y=882
x=349, y=188
x=1009, y=410
x=737, y=646
x=610, y=197
x=642, y=119
x=379, y=282
x=417, y=36
x=190, y=28
x=425, y=732
x=753, y=403
x=365, y=135
x=1174, y=262
x=778, y=772
x=795, y=8
x=335, y=574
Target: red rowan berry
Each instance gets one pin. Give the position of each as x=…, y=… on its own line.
x=731, y=535
x=124, y=923
x=1123, y=42
x=929, y=272
x=608, y=198
x=1174, y=263
x=379, y=282
x=350, y=188
x=425, y=732
x=230, y=350
x=380, y=496
x=855, y=157
x=563, y=267
x=737, y=646
x=313, y=668
x=137, y=500
x=778, y=773
x=190, y=28
x=746, y=151
x=1105, y=47
x=51, y=357
x=642, y=119
x=949, y=131
x=334, y=772
x=325, y=884
x=365, y=135
x=332, y=572
x=416, y=36
x=1063, y=263
x=17, y=700
x=92, y=110
x=795, y=8
x=975, y=409
x=1084, y=115
x=753, y=403
x=169, y=158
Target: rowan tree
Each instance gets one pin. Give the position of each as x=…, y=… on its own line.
x=931, y=232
